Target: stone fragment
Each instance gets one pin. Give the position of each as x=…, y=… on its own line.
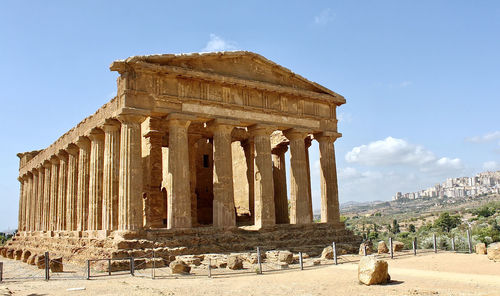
x=18, y=254
x=373, y=271
x=3, y=252
x=481, y=249
x=286, y=256
x=397, y=246
x=282, y=265
x=179, y=267
x=40, y=261
x=362, y=249
x=10, y=254
x=31, y=260
x=26, y=254
x=221, y=264
x=494, y=252
x=56, y=264
x=316, y=262
x=327, y=253
x=382, y=248
x=234, y=262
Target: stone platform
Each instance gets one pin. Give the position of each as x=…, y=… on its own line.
x=77, y=246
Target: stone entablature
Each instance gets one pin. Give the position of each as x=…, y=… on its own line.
x=162, y=153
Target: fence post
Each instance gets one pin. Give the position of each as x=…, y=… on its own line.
x=132, y=266
x=434, y=241
x=364, y=249
x=415, y=246
x=47, y=266
x=469, y=241
x=209, y=267
x=334, y=253
x=88, y=269
x=1, y=272
x=109, y=266
x=453, y=244
x=259, y=261
x=153, y=272
x=390, y=248
x=301, y=261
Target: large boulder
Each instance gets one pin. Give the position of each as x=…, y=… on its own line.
x=481, y=249
x=327, y=253
x=179, y=267
x=286, y=256
x=362, y=249
x=373, y=271
x=494, y=252
x=56, y=264
x=382, y=248
x=234, y=262
x=397, y=246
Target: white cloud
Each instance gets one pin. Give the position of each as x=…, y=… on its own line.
x=390, y=151
x=485, y=138
x=324, y=17
x=491, y=165
x=216, y=43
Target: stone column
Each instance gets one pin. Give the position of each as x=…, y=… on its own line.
x=82, y=206
x=33, y=204
x=249, y=149
x=130, y=182
x=20, y=220
x=72, y=188
x=40, y=198
x=54, y=187
x=26, y=201
x=193, y=153
x=29, y=199
x=299, y=192
x=62, y=189
x=307, y=144
x=152, y=158
x=263, y=182
x=179, y=197
x=329, y=189
x=46, y=196
x=223, y=204
x=279, y=177
x=111, y=174
x=22, y=188
x=95, y=179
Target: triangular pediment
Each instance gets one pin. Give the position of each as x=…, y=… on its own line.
x=239, y=64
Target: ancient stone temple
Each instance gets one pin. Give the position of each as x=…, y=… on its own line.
x=189, y=157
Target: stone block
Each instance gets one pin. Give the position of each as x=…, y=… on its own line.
x=286, y=256
x=382, y=247
x=373, y=271
x=481, y=249
x=56, y=264
x=234, y=262
x=179, y=267
x=494, y=252
x=362, y=249
x=397, y=246
x=10, y=254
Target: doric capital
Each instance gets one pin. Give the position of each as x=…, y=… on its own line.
x=83, y=142
x=179, y=120
x=296, y=134
x=222, y=125
x=131, y=118
x=34, y=171
x=261, y=130
x=308, y=141
x=327, y=136
x=47, y=164
x=96, y=135
x=54, y=159
x=72, y=149
x=111, y=125
x=280, y=149
x=63, y=155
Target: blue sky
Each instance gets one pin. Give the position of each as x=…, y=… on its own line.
x=421, y=78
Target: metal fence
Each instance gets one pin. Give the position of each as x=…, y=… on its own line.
x=152, y=266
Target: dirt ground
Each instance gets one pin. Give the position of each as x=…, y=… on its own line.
x=426, y=274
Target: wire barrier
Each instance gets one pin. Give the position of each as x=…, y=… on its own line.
x=258, y=261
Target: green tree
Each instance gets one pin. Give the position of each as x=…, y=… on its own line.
x=447, y=222
x=411, y=227
x=395, y=226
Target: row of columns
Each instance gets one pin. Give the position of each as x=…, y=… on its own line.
x=96, y=183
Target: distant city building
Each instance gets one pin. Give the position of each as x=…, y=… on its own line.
x=482, y=183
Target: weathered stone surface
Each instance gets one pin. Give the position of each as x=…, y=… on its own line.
x=26, y=255
x=179, y=267
x=286, y=256
x=32, y=259
x=10, y=254
x=3, y=252
x=372, y=271
x=18, y=254
x=234, y=262
x=282, y=265
x=481, y=249
x=397, y=246
x=40, y=261
x=382, y=247
x=494, y=252
x=368, y=248
x=56, y=264
x=327, y=253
